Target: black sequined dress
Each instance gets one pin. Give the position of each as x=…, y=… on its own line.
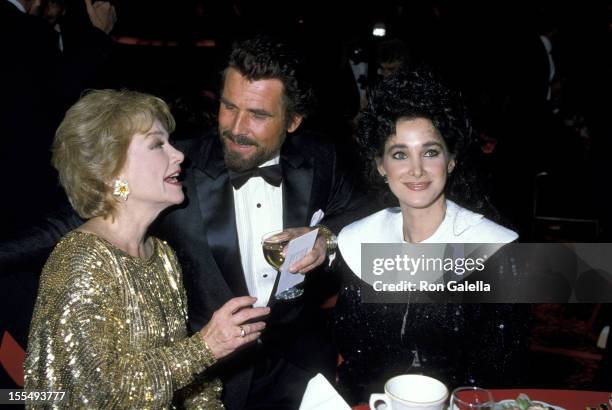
x=459, y=344
x=469, y=344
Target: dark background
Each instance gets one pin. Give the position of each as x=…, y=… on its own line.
x=176, y=49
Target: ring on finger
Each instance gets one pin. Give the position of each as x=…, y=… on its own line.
x=242, y=331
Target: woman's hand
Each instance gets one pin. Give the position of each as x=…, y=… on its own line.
x=227, y=330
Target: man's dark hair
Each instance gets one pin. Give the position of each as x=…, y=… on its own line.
x=263, y=58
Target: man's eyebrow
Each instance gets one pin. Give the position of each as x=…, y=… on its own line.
x=260, y=112
x=225, y=101
x=256, y=111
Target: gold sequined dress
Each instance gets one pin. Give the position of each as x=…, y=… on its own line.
x=110, y=330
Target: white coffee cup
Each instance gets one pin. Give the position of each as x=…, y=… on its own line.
x=412, y=392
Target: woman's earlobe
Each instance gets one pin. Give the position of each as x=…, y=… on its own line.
x=379, y=166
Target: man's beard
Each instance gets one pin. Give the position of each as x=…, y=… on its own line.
x=235, y=162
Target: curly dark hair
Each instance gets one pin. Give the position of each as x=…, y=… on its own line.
x=263, y=57
x=415, y=94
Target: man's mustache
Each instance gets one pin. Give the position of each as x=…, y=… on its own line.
x=239, y=138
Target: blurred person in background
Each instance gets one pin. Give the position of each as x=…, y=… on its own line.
x=39, y=83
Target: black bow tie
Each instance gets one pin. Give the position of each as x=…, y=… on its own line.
x=271, y=174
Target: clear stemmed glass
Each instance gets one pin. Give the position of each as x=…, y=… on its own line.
x=471, y=398
x=273, y=243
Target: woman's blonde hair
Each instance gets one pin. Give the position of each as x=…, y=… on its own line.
x=91, y=144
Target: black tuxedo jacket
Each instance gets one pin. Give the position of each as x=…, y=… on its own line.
x=203, y=229
x=203, y=232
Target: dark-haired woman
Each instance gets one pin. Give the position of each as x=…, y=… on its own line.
x=416, y=136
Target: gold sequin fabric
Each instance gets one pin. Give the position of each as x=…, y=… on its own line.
x=110, y=330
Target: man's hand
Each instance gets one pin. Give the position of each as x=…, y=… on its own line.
x=312, y=259
x=102, y=15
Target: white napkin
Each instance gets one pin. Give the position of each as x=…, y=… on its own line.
x=320, y=395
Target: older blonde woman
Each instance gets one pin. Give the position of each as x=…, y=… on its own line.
x=109, y=324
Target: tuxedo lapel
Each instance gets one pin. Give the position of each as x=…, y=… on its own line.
x=297, y=187
x=216, y=201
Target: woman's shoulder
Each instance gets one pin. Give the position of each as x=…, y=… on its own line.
x=79, y=258
x=380, y=227
x=488, y=231
x=472, y=227
x=79, y=244
x=375, y=228
x=375, y=224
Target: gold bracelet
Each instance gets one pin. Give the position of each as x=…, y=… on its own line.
x=331, y=240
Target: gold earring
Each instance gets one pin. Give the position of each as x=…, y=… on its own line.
x=122, y=189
